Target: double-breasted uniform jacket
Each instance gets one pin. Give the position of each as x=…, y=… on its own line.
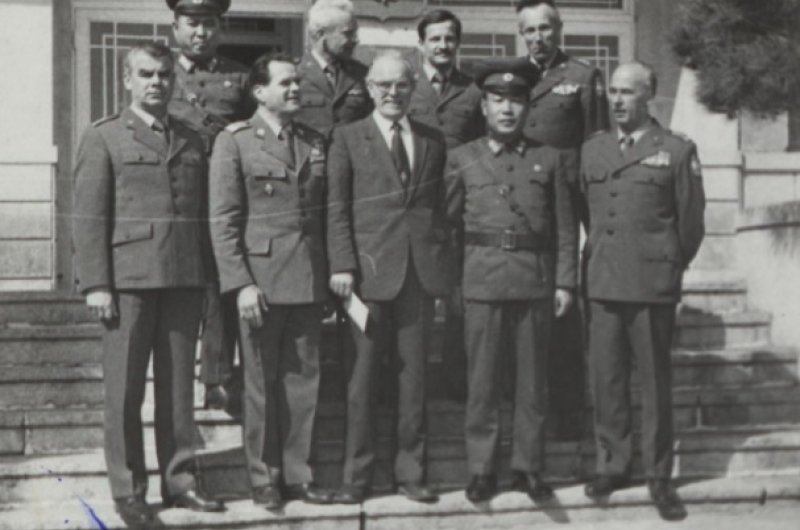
x=268, y=212
x=646, y=215
x=524, y=192
x=141, y=217
x=377, y=226
x=568, y=104
x=324, y=106
x=211, y=99
x=456, y=112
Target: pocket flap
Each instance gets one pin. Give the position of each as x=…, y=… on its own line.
x=597, y=176
x=312, y=100
x=139, y=157
x=267, y=171
x=260, y=248
x=129, y=234
x=656, y=178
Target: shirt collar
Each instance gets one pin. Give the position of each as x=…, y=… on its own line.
x=321, y=61
x=430, y=71
x=190, y=65
x=637, y=134
x=150, y=120
x=273, y=123
x=385, y=125
x=547, y=66
x=496, y=147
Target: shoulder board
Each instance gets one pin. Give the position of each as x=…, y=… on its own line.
x=106, y=119
x=678, y=135
x=184, y=123
x=238, y=126
x=596, y=134
x=582, y=62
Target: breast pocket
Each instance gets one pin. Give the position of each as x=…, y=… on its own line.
x=312, y=100
x=652, y=183
x=139, y=158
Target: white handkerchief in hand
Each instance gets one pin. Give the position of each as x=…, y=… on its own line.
x=357, y=311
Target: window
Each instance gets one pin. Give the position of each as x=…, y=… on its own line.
x=600, y=50
x=585, y=4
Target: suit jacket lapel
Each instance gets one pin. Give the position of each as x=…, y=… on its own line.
x=457, y=84
x=176, y=141
x=424, y=86
x=315, y=75
x=553, y=76
x=420, y=157
x=269, y=142
x=344, y=82
x=143, y=134
x=376, y=147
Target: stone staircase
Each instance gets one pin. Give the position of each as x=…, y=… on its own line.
x=736, y=413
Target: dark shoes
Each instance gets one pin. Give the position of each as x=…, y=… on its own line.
x=216, y=397
x=268, y=496
x=604, y=485
x=133, y=510
x=482, y=488
x=351, y=494
x=307, y=492
x=418, y=492
x=669, y=505
x=532, y=484
x=190, y=500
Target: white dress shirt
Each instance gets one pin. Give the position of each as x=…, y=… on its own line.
x=385, y=126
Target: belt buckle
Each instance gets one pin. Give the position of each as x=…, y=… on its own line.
x=508, y=240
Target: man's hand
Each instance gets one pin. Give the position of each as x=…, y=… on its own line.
x=250, y=302
x=101, y=304
x=563, y=302
x=342, y=284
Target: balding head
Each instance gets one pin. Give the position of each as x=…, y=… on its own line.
x=632, y=86
x=391, y=82
x=333, y=29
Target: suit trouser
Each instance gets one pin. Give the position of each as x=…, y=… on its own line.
x=165, y=322
x=620, y=332
x=566, y=367
x=220, y=333
x=410, y=317
x=489, y=326
x=281, y=387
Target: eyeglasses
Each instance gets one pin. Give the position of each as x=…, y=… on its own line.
x=386, y=86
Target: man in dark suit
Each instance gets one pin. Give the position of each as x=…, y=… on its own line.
x=143, y=258
x=447, y=99
x=210, y=92
x=567, y=105
x=268, y=192
x=387, y=243
x=511, y=199
x=645, y=193
x=332, y=82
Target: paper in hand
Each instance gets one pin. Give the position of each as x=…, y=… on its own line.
x=357, y=311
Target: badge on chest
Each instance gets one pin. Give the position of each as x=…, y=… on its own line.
x=660, y=159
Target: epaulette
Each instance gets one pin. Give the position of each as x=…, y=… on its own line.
x=582, y=62
x=679, y=135
x=238, y=126
x=101, y=121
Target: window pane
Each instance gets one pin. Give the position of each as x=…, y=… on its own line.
x=592, y=4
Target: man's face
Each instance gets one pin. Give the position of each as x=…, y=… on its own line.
x=149, y=81
x=540, y=27
x=341, y=38
x=505, y=114
x=197, y=35
x=440, y=44
x=629, y=93
x=390, y=85
x=282, y=95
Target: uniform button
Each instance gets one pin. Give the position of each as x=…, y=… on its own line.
x=510, y=167
x=201, y=83
x=613, y=193
x=612, y=213
x=610, y=231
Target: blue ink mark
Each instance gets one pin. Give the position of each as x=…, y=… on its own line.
x=99, y=524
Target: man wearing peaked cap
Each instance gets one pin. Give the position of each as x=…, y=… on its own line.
x=210, y=92
x=509, y=200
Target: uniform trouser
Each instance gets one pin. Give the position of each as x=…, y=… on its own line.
x=409, y=318
x=220, y=332
x=620, y=332
x=566, y=367
x=281, y=389
x=453, y=351
x=164, y=322
x=525, y=327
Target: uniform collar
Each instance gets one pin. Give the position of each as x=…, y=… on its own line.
x=321, y=61
x=497, y=147
x=637, y=134
x=431, y=71
x=550, y=62
x=273, y=123
x=150, y=120
x=190, y=66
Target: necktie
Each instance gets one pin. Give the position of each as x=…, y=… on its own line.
x=399, y=154
x=161, y=129
x=330, y=73
x=287, y=139
x=437, y=82
x=625, y=143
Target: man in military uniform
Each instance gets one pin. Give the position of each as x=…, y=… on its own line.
x=645, y=194
x=511, y=198
x=267, y=192
x=567, y=106
x=332, y=82
x=447, y=99
x=210, y=92
x=143, y=257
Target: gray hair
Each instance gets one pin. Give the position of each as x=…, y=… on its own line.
x=393, y=55
x=325, y=13
x=647, y=72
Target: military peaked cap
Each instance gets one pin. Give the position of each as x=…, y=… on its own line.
x=504, y=75
x=199, y=7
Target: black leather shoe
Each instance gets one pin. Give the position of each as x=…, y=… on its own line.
x=604, y=485
x=133, y=510
x=268, y=496
x=308, y=492
x=669, y=505
x=216, y=397
x=482, y=488
x=532, y=484
x=416, y=491
x=190, y=500
x=351, y=494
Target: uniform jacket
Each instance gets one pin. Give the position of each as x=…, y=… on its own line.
x=376, y=225
x=457, y=112
x=527, y=193
x=210, y=100
x=646, y=215
x=141, y=207
x=267, y=214
x=325, y=107
x=568, y=104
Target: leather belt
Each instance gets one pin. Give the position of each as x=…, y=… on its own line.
x=508, y=240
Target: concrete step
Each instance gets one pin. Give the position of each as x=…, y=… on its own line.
x=43, y=308
x=765, y=502
x=714, y=293
x=725, y=330
x=50, y=344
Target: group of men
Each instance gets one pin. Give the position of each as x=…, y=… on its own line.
x=264, y=195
